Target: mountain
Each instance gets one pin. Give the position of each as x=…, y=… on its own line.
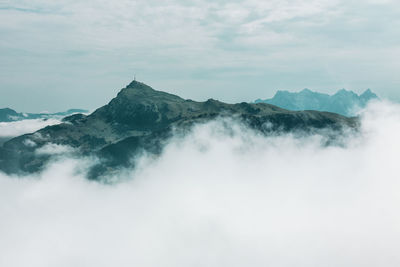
x=140, y=118
x=344, y=102
x=9, y=115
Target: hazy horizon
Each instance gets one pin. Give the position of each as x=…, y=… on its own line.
x=57, y=55
x=43, y=110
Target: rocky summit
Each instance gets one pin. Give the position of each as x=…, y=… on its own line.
x=140, y=118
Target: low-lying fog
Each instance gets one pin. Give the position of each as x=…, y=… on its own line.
x=16, y=128
x=218, y=198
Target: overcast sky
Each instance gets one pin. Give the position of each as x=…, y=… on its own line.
x=61, y=54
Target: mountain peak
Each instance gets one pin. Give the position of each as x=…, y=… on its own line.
x=342, y=102
x=306, y=91
x=139, y=105
x=137, y=91
x=368, y=94
x=341, y=91
x=345, y=93
x=139, y=86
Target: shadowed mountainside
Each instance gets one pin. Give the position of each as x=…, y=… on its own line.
x=143, y=119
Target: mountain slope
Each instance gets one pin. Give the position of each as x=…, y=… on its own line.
x=344, y=102
x=141, y=118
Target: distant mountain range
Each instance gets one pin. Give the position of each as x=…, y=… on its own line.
x=141, y=119
x=344, y=102
x=9, y=115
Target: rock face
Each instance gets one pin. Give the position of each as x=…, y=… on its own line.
x=344, y=102
x=141, y=118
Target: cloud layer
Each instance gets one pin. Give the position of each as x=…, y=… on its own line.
x=17, y=128
x=218, y=197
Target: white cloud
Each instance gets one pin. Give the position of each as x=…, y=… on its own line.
x=53, y=149
x=16, y=128
x=29, y=143
x=218, y=198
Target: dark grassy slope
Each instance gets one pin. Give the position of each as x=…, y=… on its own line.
x=141, y=118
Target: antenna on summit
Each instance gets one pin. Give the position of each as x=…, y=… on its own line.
x=134, y=77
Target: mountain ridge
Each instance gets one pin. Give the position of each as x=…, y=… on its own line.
x=140, y=118
x=344, y=102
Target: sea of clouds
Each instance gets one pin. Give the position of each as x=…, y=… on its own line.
x=218, y=197
x=16, y=128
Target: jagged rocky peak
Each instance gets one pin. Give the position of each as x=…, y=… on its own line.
x=346, y=94
x=344, y=102
x=369, y=94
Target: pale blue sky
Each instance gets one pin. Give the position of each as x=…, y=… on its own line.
x=60, y=54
